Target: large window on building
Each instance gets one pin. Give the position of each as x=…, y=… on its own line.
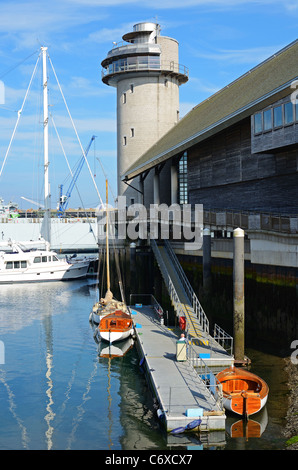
x=182, y=179
x=277, y=116
x=267, y=120
x=289, y=113
x=258, y=123
x=282, y=115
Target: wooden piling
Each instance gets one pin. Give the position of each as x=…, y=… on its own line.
x=238, y=294
x=206, y=259
x=133, y=269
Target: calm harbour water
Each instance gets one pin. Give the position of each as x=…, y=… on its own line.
x=56, y=392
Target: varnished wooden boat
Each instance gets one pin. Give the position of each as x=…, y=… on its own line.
x=244, y=393
x=113, y=317
x=116, y=326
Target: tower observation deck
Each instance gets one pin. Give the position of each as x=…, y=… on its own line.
x=145, y=69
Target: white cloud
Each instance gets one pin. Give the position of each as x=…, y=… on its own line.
x=171, y=4
x=185, y=107
x=23, y=16
x=253, y=55
x=91, y=125
x=112, y=34
x=202, y=86
x=83, y=86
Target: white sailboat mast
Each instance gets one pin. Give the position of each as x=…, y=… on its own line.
x=107, y=240
x=47, y=195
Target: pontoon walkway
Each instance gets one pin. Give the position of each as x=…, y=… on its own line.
x=182, y=394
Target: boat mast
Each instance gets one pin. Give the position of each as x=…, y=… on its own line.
x=46, y=148
x=107, y=239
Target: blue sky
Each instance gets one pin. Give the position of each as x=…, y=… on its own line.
x=219, y=40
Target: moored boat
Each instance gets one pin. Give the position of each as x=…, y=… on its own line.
x=105, y=306
x=8, y=211
x=21, y=264
x=113, y=317
x=116, y=326
x=244, y=393
x=18, y=263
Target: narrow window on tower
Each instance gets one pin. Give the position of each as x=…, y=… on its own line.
x=124, y=98
x=131, y=88
x=132, y=132
x=124, y=140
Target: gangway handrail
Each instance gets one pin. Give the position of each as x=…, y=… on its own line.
x=205, y=373
x=199, y=311
x=170, y=286
x=222, y=338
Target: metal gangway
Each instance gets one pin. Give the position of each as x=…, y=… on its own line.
x=185, y=302
x=183, y=298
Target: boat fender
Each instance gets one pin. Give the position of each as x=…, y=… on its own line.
x=142, y=361
x=160, y=414
x=178, y=430
x=193, y=424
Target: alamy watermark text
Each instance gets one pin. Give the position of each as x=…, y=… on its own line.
x=159, y=221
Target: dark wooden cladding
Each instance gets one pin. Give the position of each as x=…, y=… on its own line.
x=281, y=137
x=223, y=172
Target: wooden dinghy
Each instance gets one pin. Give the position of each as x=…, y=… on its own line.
x=244, y=393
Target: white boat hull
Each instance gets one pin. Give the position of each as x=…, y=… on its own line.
x=114, y=336
x=62, y=275
x=27, y=266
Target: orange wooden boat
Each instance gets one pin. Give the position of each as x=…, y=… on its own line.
x=116, y=326
x=115, y=322
x=244, y=393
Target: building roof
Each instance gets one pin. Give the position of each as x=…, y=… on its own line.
x=252, y=91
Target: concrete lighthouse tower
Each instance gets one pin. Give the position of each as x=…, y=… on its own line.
x=146, y=72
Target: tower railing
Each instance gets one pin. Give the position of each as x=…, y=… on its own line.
x=124, y=65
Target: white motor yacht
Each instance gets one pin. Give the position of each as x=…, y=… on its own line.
x=21, y=264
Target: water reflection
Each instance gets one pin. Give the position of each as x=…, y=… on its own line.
x=81, y=408
x=49, y=392
x=12, y=409
x=21, y=305
x=59, y=389
x=113, y=350
x=34, y=346
x=253, y=427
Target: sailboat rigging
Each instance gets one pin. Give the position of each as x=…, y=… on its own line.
x=19, y=262
x=112, y=317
